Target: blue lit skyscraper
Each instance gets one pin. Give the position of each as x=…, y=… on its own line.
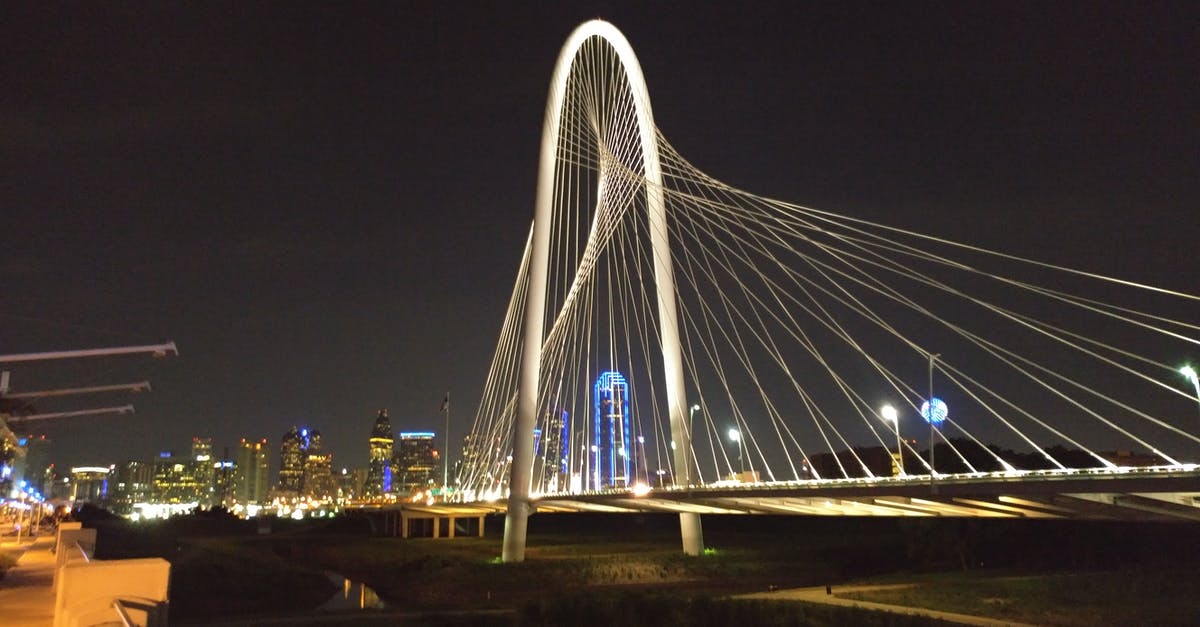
x=610, y=437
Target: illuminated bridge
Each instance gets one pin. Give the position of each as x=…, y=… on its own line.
x=1168, y=493
x=676, y=344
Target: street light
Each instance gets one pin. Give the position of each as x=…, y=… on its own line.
x=928, y=414
x=596, y=469
x=890, y=414
x=1190, y=374
x=735, y=436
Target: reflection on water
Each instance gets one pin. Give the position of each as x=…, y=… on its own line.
x=352, y=595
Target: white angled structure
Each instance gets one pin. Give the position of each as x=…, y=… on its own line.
x=580, y=78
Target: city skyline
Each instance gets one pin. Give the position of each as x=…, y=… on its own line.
x=242, y=479
x=258, y=469
x=326, y=216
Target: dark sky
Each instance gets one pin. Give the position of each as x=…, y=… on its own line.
x=325, y=205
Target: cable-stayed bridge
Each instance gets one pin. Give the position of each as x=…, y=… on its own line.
x=674, y=343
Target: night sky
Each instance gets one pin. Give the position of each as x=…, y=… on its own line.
x=325, y=205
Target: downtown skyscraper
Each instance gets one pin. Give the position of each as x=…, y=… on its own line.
x=415, y=459
x=291, y=460
x=550, y=462
x=379, y=458
x=318, y=480
x=252, y=476
x=611, y=450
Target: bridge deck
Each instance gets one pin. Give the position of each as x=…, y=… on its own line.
x=1163, y=493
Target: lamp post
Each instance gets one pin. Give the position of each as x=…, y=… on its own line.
x=21, y=514
x=934, y=411
x=890, y=414
x=446, y=460
x=929, y=418
x=596, y=468
x=735, y=436
x=1190, y=374
x=641, y=457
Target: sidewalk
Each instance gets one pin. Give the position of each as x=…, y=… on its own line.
x=818, y=595
x=27, y=590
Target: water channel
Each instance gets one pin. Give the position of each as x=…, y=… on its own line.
x=351, y=595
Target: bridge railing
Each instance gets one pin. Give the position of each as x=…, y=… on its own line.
x=1124, y=472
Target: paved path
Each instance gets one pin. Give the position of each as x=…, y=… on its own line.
x=27, y=589
x=818, y=595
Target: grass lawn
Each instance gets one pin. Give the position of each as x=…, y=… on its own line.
x=606, y=570
x=1154, y=597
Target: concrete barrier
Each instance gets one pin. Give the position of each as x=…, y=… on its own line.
x=65, y=526
x=86, y=590
x=73, y=545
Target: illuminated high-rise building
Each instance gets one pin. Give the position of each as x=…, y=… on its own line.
x=291, y=460
x=415, y=459
x=379, y=458
x=611, y=450
x=175, y=479
x=201, y=448
x=203, y=470
x=34, y=466
x=89, y=484
x=350, y=482
x=11, y=452
x=224, y=473
x=251, y=475
x=134, y=484
x=318, y=480
x=551, y=453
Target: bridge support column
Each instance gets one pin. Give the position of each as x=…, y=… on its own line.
x=516, y=523
x=691, y=533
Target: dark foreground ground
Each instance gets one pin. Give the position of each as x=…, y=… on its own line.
x=629, y=570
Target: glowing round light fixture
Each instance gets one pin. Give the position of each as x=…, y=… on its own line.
x=934, y=411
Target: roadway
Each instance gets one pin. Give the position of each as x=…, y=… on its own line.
x=1166, y=493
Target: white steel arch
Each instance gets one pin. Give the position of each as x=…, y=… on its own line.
x=515, y=524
